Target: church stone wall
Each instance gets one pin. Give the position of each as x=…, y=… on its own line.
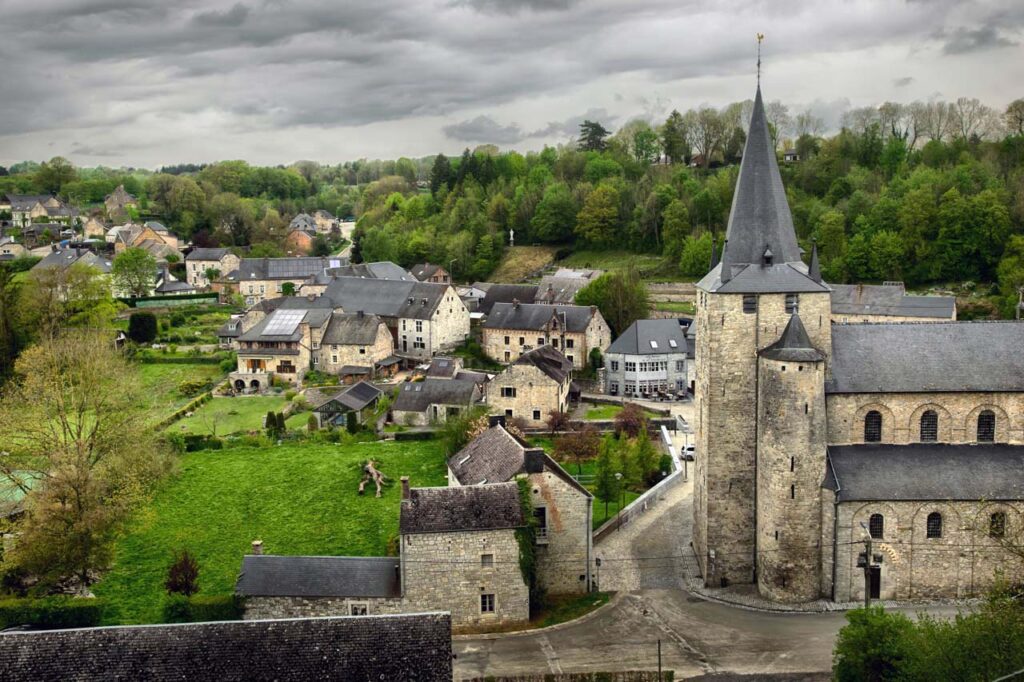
x=562, y=555
x=901, y=416
x=964, y=562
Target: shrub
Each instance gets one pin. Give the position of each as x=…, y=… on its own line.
x=176, y=609
x=288, y=395
x=177, y=320
x=312, y=424
x=228, y=365
x=192, y=387
x=142, y=327
x=352, y=422
x=872, y=646
x=630, y=420
x=181, y=609
x=51, y=612
x=183, y=574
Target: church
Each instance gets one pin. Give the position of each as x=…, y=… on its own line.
x=815, y=436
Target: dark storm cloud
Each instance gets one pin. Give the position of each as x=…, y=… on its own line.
x=484, y=129
x=964, y=40
x=903, y=82
x=570, y=127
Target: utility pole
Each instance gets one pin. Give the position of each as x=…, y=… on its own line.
x=867, y=571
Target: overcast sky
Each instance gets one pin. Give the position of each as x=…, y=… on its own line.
x=152, y=82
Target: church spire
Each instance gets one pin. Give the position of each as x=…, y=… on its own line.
x=760, y=218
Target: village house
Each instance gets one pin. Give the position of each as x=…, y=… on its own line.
x=94, y=228
x=494, y=293
x=562, y=508
x=279, y=346
x=158, y=242
x=260, y=278
x=38, y=208
x=434, y=400
x=299, y=239
x=10, y=249
x=532, y=387
x=325, y=223
x=458, y=552
x=64, y=259
x=561, y=287
x=887, y=303
x=649, y=359
x=317, y=284
x=514, y=328
x=332, y=407
x=167, y=284
x=201, y=261
x=424, y=318
x=118, y=202
x=425, y=272
x=355, y=345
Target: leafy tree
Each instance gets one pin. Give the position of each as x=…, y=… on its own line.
x=556, y=421
x=645, y=145
x=696, y=255
x=312, y=424
x=674, y=139
x=593, y=136
x=134, y=271
x=620, y=296
x=608, y=486
x=440, y=174
x=1011, y=271
x=598, y=220
x=555, y=217
x=1014, y=117
x=320, y=246
x=646, y=457
x=288, y=289
x=630, y=421
x=352, y=422
x=675, y=228
x=142, y=327
x=54, y=174
x=11, y=332
x=578, y=446
x=872, y=647
x=183, y=574
x=78, y=442
x=270, y=424
x=54, y=299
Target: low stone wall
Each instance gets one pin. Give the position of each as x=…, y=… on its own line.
x=627, y=676
x=642, y=504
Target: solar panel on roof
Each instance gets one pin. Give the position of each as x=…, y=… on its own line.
x=284, y=322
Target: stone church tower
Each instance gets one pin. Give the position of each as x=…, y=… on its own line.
x=744, y=306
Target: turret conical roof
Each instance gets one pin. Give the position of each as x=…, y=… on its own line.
x=794, y=345
x=760, y=218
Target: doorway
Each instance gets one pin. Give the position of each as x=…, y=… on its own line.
x=876, y=581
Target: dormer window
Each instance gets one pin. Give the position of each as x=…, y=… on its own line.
x=768, y=256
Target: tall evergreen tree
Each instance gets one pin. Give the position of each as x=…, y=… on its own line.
x=593, y=136
x=440, y=174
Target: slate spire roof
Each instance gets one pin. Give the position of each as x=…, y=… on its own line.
x=794, y=345
x=760, y=217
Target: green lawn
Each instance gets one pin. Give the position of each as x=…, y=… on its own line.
x=161, y=382
x=298, y=499
x=675, y=306
x=222, y=416
x=610, y=412
x=520, y=262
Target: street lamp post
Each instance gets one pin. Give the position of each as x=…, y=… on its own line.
x=618, y=477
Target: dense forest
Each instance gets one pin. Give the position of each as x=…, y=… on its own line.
x=925, y=193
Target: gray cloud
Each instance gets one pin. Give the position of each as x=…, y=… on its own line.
x=963, y=40
x=514, y=6
x=903, y=82
x=484, y=129
x=232, y=17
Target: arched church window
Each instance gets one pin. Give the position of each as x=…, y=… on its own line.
x=986, y=426
x=876, y=526
x=873, y=427
x=934, y=525
x=929, y=426
x=997, y=524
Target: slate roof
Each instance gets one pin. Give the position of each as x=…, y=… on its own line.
x=156, y=226
x=231, y=329
x=65, y=258
x=548, y=360
x=504, y=293
x=424, y=271
x=637, y=338
x=25, y=202
x=377, y=270
x=926, y=471
x=203, y=253
x=443, y=368
x=404, y=647
x=354, y=397
x=352, y=329
x=468, y=508
x=280, y=268
x=319, y=576
x=760, y=214
x=417, y=396
x=927, y=357
x=496, y=456
x=794, y=344
x=536, y=316
x=792, y=278
x=385, y=297
x=874, y=299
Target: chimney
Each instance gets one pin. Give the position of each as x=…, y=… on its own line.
x=310, y=297
x=257, y=547
x=515, y=302
x=405, y=487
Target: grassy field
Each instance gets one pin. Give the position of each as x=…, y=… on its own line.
x=162, y=380
x=520, y=262
x=675, y=306
x=222, y=416
x=298, y=499
x=610, y=412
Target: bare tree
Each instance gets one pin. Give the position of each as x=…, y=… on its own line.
x=1014, y=117
x=917, y=113
x=860, y=119
x=708, y=132
x=806, y=123
x=937, y=120
x=970, y=117
x=777, y=114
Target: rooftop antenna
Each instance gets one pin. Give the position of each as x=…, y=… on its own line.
x=760, y=38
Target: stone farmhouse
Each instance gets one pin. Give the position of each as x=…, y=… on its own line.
x=257, y=279
x=561, y=287
x=536, y=384
x=279, y=346
x=153, y=237
x=425, y=272
x=562, y=508
x=317, y=284
x=651, y=357
x=487, y=294
x=425, y=319
x=813, y=436
x=200, y=260
x=299, y=239
x=888, y=303
x=458, y=552
x=409, y=647
x=118, y=202
x=94, y=228
x=354, y=345
x=10, y=249
x=512, y=329
x=434, y=400
x=26, y=209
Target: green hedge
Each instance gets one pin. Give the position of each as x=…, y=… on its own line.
x=201, y=609
x=150, y=358
x=415, y=435
x=51, y=612
x=189, y=407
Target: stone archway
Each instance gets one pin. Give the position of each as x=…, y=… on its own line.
x=255, y=385
x=239, y=385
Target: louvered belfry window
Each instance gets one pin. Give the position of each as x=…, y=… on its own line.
x=987, y=426
x=929, y=426
x=873, y=427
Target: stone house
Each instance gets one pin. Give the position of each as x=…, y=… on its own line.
x=317, y=284
x=414, y=647
x=514, y=328
x=64, y=259
x=199, y=260
x=333, y=407
x=561, y=287
x=158, y=242
x=649, y=358
x=458, y=552
x=353, y=344
x=494, y=293
x=257, y=279
x=10, y=249
x=95, y=228
x=562, y=508
x=425, y=272
x=118, y=202
x=26, y=209
x=299, y=241
x=433, y=400
x=533, y=386
x=853, y=303
x=325, y=223
x=807, y=429
x=279, y=346
x=424, y=318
